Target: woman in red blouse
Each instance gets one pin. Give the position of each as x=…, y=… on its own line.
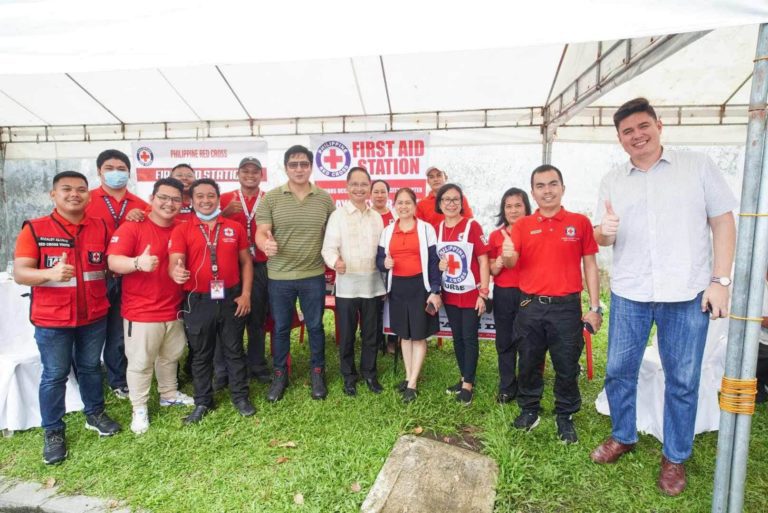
x=506, y=293
x=462, y=249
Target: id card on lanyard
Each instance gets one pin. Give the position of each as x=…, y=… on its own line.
x=115, y=216
x=249, y=216
x=217, y=285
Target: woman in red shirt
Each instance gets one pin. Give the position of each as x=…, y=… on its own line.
x=380, y=200
x=506, y=291
x=407, y=252
x=462, y=249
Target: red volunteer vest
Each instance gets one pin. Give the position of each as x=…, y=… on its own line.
x=54, y=304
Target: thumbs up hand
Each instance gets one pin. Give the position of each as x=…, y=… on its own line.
x=146, y=262
x=389, y=263
x=62, y=271
x=443, y=264
x=610, y=224
x=180, y=274
x=507, y=247
x=270, y=246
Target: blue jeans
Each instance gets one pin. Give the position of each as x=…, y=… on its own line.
x=57, y=347
x=682, y=333
x=282, y=302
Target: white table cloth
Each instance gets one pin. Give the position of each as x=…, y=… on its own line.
x=650, y=386
x=20, y=366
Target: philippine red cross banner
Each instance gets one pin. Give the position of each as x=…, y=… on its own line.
x=210, y=159
x=400, y=159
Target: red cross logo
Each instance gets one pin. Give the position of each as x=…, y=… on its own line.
x=144, y=156
x=453, y=264
x=332, y=159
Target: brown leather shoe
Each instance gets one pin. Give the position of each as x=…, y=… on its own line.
x=610, y=451
x=671, y=477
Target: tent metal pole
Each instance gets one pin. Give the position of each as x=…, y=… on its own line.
x=751, y=187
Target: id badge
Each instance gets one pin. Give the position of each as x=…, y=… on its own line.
x=217, y=289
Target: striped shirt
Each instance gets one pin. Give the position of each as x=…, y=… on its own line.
x=298, y=228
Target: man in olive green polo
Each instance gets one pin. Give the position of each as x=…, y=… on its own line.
x=291, y=225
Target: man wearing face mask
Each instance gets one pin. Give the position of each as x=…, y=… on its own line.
x=113, y=203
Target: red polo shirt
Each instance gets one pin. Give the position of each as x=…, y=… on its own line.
x=240, y=217
x=404, y=250
x=476, y=237
x=147, y=296
x=188, y=239
x=506, y=277
x=425, y=210
x=97, y=207
x=388, y=218
x=550, y=251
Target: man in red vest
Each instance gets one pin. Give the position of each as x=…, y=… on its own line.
x=114, y=204
x=62, y=256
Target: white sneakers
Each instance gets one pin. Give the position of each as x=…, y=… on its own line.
x=180, y=399
x=140, y=421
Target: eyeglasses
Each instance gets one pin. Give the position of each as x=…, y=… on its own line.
x=165, y=199
x=303, y=164
x=450, y=201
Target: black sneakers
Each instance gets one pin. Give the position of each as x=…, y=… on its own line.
x=278, y=386
x=400, y=387
x=102, y=424
x=464, y=396
x=565, y=429
x=244, y=407
x=527, y=420
x=409, y=395
x=454, y=389
x=317, y=380
x=54, y=447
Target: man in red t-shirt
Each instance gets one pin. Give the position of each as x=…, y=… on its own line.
x=240, y=206
x=549, y=248
x=154, y=333
x=425, y=208
x=113, y=203
x=209, y=256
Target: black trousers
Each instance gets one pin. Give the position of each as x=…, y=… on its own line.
x=382, y=339
x=207, y=320
x=506, y=302
x=556, y=328
x=348, y=310
x=464, y=324
x=254, y=325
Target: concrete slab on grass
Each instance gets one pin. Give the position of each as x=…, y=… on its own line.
x=425, y=476
x=34, y=498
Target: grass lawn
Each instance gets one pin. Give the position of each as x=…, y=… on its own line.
x=229, y=463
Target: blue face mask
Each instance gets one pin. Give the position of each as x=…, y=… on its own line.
x=116, y=179
x=208, y=217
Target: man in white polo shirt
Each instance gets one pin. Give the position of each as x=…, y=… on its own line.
x=350, y=244
x=657, y=211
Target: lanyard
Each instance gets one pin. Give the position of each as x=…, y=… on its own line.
x=116, y=217
x=249, y=216
x=212, y=248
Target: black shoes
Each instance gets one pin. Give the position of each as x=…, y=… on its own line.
x=409, y=395
x=277, y=389
x=54, y=447
x=245, y=407
x=454, y=389
x=464, y=396
x=197, y=414
x=102, y=424
x=504, y=398
x=566, y=430
x=317, y=381
x=527, y=420
x=350, y=387
x=400, y=387
x=374, y=385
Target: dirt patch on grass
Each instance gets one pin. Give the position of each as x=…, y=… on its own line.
x=466, y=438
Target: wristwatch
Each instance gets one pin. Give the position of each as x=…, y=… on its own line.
x=597, y=309
x=725, y=281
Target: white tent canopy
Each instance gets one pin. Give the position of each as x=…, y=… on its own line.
x=77, y=71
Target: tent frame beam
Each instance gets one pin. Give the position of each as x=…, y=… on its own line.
x=525, y=117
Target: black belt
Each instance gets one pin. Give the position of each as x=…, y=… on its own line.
x=553, y=300
x=229, y=293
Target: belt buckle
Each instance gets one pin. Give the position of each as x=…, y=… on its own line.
x=545, y=300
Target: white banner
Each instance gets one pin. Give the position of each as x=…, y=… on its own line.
x=210, y=159
x=398, y=158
